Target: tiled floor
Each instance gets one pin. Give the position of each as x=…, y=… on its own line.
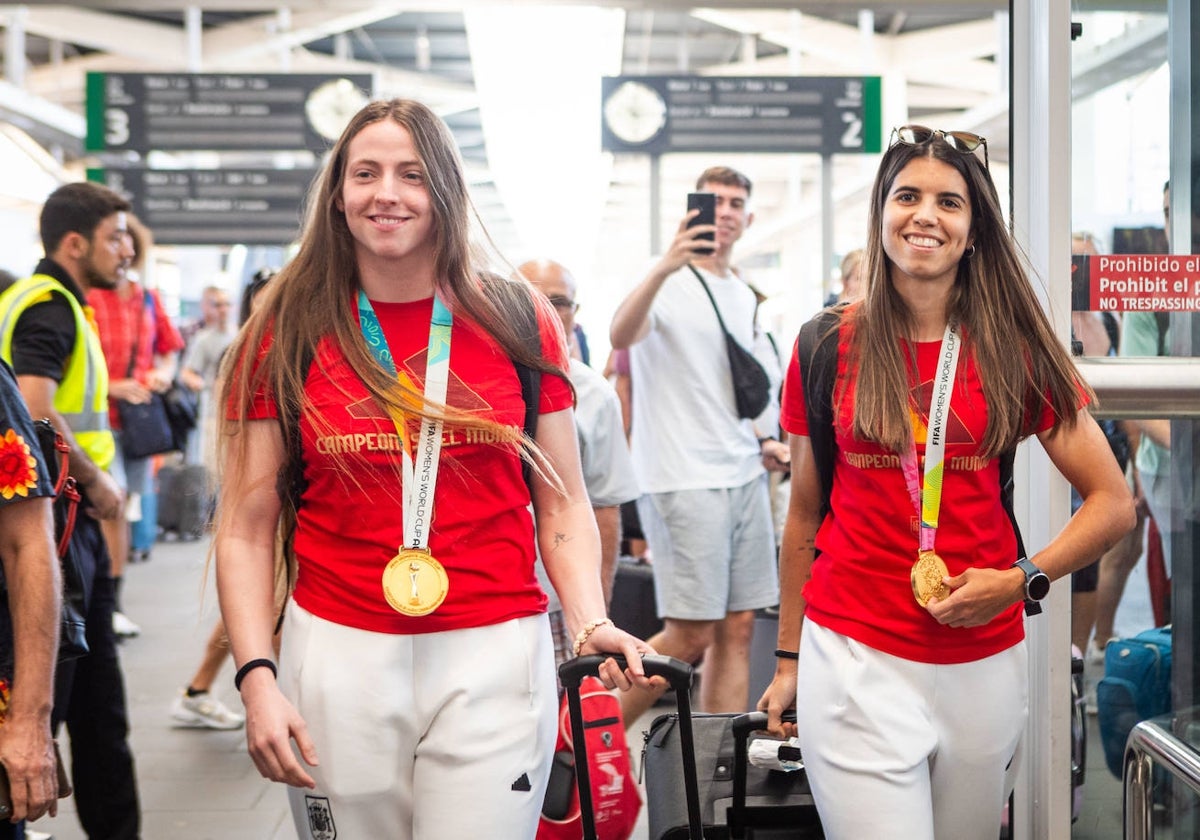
x=200, y=785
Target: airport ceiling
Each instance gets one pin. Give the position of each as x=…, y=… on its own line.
x=949, y=51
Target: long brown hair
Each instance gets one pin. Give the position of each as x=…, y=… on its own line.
x=992, y=300
x=314, y=297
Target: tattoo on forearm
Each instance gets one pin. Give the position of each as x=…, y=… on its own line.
x=560, y=539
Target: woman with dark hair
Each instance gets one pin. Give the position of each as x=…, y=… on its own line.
x=378, y=380
x=909, y=678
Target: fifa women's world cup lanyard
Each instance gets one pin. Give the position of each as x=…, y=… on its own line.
x=928, y=571
x=414, y=582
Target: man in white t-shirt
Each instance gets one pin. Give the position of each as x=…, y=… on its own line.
x=603, y=453
x=705, y=508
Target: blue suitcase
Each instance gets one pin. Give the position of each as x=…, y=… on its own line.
x=1136, y=685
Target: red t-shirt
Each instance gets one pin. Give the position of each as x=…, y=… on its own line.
x=351, y=524
x=860, y=581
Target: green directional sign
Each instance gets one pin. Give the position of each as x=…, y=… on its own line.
x=816, y=114
x=140, y=112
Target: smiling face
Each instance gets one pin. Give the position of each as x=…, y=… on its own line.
x=385, y=198
x=926, y=223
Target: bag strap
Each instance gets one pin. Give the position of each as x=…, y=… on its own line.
x=66, y=488
x=711, y=299
x=137, y=334
x=817, y=354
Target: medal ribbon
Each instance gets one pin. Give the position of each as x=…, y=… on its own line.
x=927, y=498
x=419, y=477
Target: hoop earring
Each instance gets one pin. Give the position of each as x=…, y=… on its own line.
x=970, y=252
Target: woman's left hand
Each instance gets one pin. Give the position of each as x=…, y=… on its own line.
x=611, y=639
x=977, y=596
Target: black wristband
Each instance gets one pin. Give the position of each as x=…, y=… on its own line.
x=763, y=440
x=780, y=653
x=250, y=666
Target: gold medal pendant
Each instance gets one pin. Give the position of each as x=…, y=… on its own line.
x=414, y=583
x=926, y=576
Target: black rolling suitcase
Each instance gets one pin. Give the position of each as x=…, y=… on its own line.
x=633, y=608
x=699, y=782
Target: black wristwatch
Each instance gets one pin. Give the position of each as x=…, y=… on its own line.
x=1037, y=585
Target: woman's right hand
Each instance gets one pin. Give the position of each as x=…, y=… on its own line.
x=780, y=696
x=272, y=722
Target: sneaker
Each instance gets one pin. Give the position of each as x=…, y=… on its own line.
x=124, y=627
x=1095, y=653
x=30, y=834
x=204, y=712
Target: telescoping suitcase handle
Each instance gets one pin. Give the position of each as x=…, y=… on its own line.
x=742, y=726
x=679, y=675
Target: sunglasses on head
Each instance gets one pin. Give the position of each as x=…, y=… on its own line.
x=960, y=141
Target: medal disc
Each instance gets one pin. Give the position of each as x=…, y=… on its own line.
x=414, y=583
x=926, y=576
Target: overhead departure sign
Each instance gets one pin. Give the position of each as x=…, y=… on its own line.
x=220, y=111
x=214, y=206
x=816, y=114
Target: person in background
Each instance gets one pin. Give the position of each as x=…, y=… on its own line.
x=900, y=596
x=705, y=508
x=201, y=360
x=1096, y=589
x=195, y=706
x=55, y=352
x=29, y=607
x=603, y=451
x=851, y=284
x=141, y=348
x=416, y=664
x=250, y=293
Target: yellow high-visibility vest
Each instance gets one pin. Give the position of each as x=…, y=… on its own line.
x=82, y=395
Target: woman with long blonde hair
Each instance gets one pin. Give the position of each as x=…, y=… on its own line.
x=373, y=427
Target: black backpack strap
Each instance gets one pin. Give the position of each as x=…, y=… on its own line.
x=817, y=354
x=531, y=379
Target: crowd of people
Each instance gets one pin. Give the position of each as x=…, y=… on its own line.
x=487, y=479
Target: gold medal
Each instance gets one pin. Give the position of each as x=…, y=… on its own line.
x=926, y=576
x=414, y=583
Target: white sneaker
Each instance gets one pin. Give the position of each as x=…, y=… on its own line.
x=1095, y=653
x=204, y=712
x=124, y=627
x=30, y=834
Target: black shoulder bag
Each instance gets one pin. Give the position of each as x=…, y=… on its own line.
x=751, y=386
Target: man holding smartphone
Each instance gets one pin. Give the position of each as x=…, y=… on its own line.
x=705, y=507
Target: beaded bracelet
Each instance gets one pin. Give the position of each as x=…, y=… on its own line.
x=780, y=653
x=587, y=631
x=250, y=666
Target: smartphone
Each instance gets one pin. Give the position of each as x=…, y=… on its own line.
x=706, y=203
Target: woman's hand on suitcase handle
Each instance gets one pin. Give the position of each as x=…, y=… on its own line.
x=780, y=696
x=611, y=639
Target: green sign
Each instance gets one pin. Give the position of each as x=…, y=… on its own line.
x=786, y=114
x=220, y=111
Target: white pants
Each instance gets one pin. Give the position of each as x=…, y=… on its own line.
x=900, y=750
x=423, y=737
